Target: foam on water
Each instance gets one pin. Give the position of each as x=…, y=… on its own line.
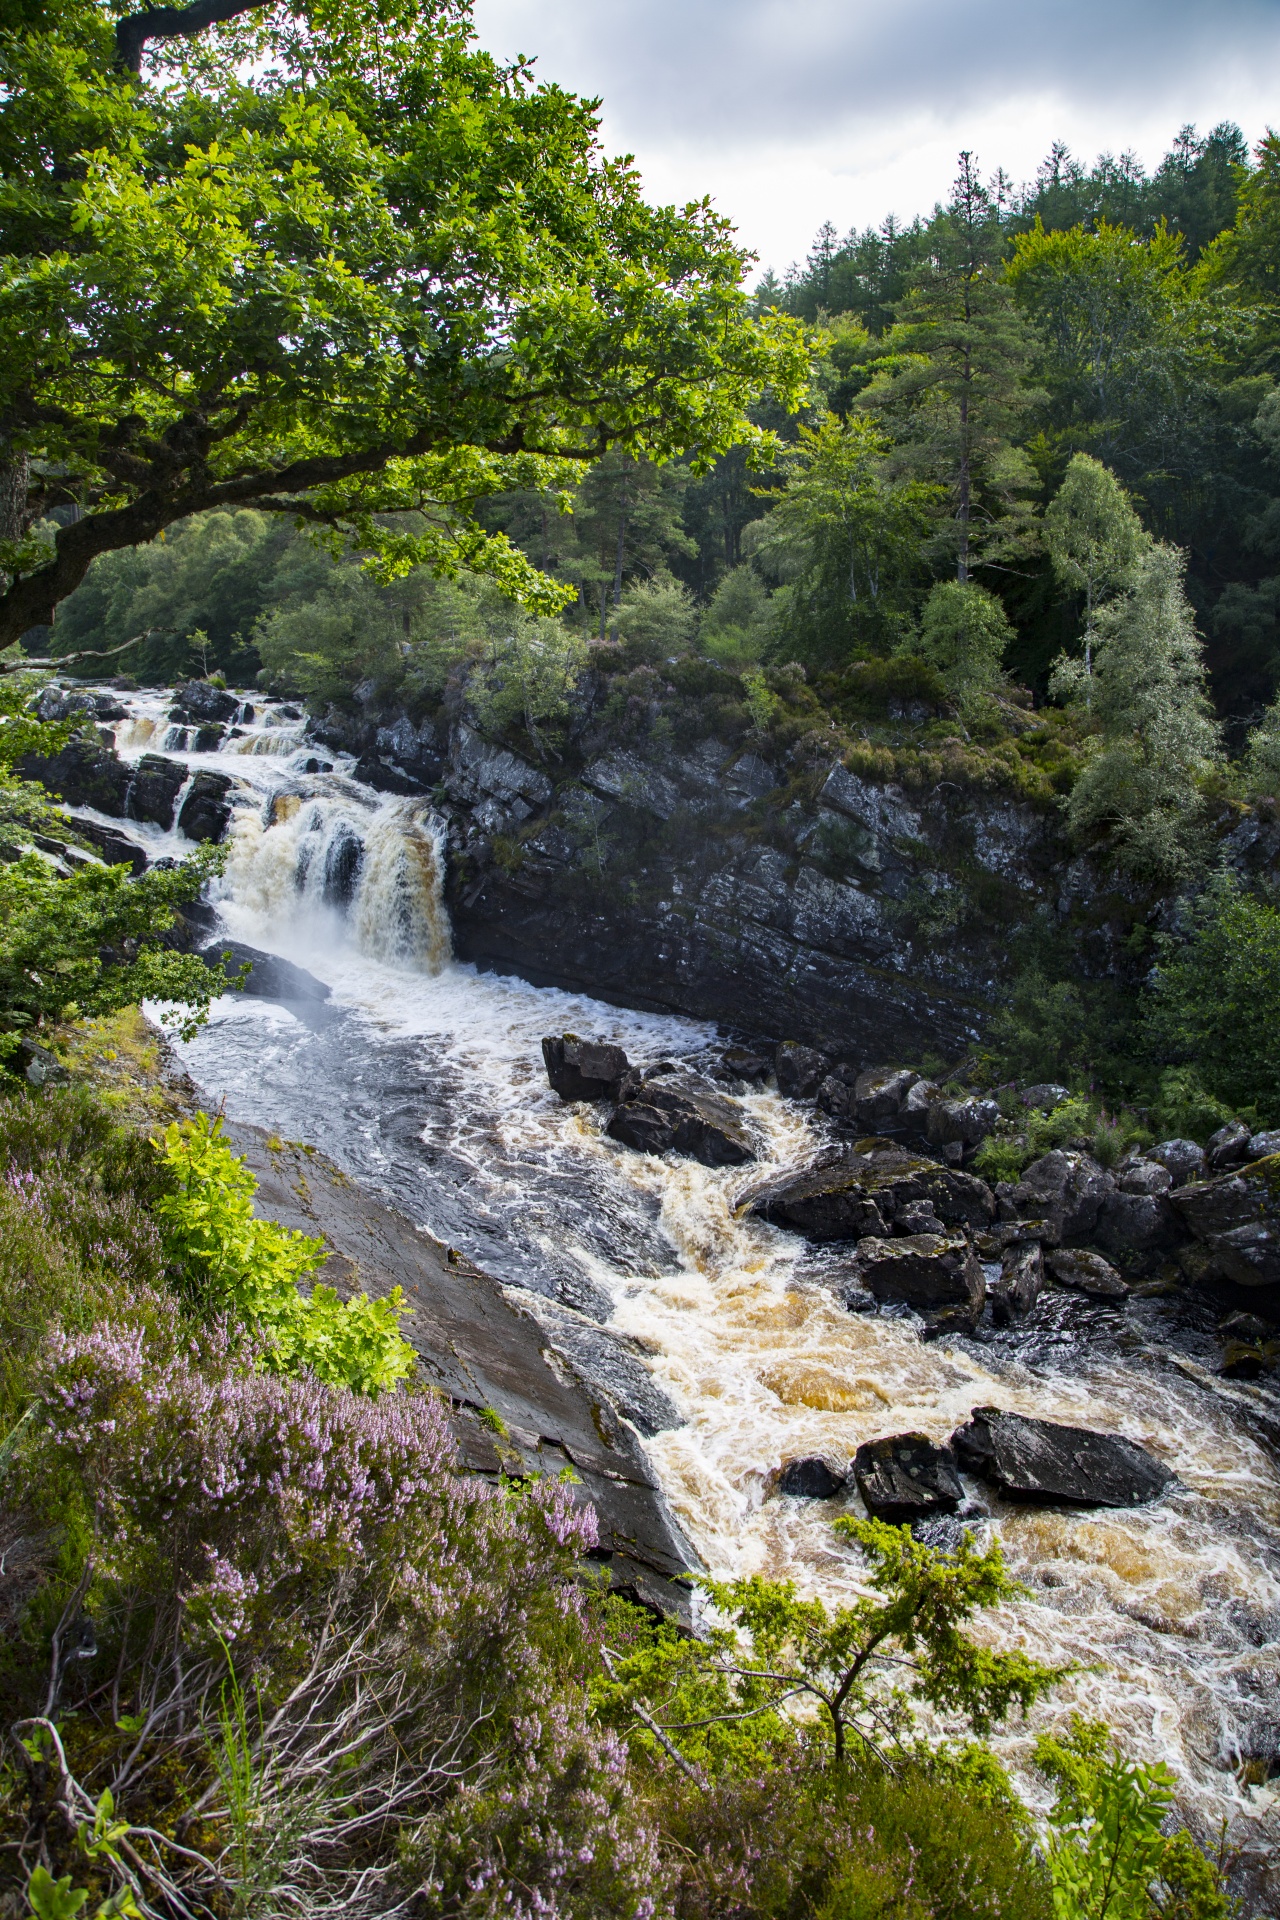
x=433, y=1083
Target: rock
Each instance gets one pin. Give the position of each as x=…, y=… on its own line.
x=906, y=1478
x=1086, y=1272
x=1065, y=1191
x=1042, y=1460
x=918, y=1216
x=631, y=779
x=810, y=1479
x=878, y=1096
x=269, y=977
x=925, y=1271
x=1184, y=1159
x=1263, y=1145
x=964, y=1122
x=835, y=1097
x=740, y=1063
x=84, y=774
x=64, y=703
x=584, y=1069
x=343, y=864
x=206, y=811
x=665, y=1119
x=1237, y=1219
x=377, y=774
x=914, y=1111
x=1228, y=1147
x=196, y=702
x=800, y=1070
x=1245, y=1326
x=116, y=849
x=1146, y=1176
x=477, y=769
x=1137, y=1223
x=1249, y=1361
x=1045, y=1096
x=154, y=789
x=37, y=1065
x=843, y=1198
x=1020, y=1283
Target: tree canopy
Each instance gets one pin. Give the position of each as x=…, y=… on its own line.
x=335, y=262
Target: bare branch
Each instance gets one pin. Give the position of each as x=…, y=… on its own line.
x=172, y=23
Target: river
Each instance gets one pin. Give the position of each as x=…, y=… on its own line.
x=425, y=1079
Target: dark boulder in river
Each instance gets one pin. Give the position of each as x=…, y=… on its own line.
x=1042, y=1460
x=855, y=1194
x=927, y=1271
x=907, y=1477
x=810, y=1479
x=657, y=1118
x=583, y=1069
x=206, y=810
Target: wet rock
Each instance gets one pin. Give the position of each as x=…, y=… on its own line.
x=1020, y=1283
x=810, y=1479
x=1245, y=1326
x=741, y=1063
x=1228, y=1147
x=269, y=977
x=835, y=1097
x=800, y=1070
x=1137, y=1223
x=1063, y=1190
x=196, y=703
x=375, y=773
x=65, y=703
x=906, y=1478
x=343, y=863
x=584, y=1069
x=843, y=1198
x=608, y=1364
x=116, y=849
x=925, y=1271
x=1184, y=1159
x=154, y=789
x=1085, y=1272
x=878, y=1096
x=206, y=810
x=1043, y=1460
x=414, y=749
x=1249, y=1360
x=84, y=774
x=1146, y=1176
x=1045, y=1096
x=962, y=1122
x=666, y=1119
x=1237, y=1219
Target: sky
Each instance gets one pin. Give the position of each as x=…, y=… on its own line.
x=792, y=112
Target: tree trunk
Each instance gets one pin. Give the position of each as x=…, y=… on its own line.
x=14, y=477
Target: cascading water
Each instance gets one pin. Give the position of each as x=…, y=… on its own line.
x=428, y=1080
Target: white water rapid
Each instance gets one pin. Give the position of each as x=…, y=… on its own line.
x=426, y=1078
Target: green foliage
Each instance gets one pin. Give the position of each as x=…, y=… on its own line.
x=91, y=942
x=864, y=1667
x=964, y=632
x=655, y=619
x=250, y=1268
x=735, y=627
x=1108, y=1855
x=1214, y=1001
x=1184, y=1109
x=1262, y=756
x=1093, y=535
x=1138, y=795
x=527, y=677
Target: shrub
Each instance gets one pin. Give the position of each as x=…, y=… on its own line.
x=964, y=632
x=1214, y=999
x=250, y=1269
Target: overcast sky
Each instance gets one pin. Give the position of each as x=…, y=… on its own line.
x=790, y=112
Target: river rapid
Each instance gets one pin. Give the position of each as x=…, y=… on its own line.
x=425, y=1079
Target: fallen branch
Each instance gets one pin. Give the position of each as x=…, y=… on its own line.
x=26, y=663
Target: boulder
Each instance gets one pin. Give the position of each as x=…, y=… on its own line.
x=584, y=1069
x=1183, y=1158
x=851, y=1195
x=115, y=849
x=1020, y=1283
x=961, y=1122
x=1086, y=1272
x=810, y=1479
x=64, y=703
x=154, y=789
x=918, y=1216
x=1137, y=1223
x=1228, y=1147
x=658, y=1118
x=1263, y=1145
x=1237, y=1219
x=907, y=1477
x=269, y=977
x=84, y=774
x=375, y=773
x=1043, y=1460
x=1146, y=1176
x=206, y=810
x=914, y=1112
x=1063, y=1190
x=835, y=1096
x=1045, y=1096
x=196, y=703
x=800, y=1070
x=925, y=1271
x=742, y=1063
x=878, y=1096
x=38, y=1066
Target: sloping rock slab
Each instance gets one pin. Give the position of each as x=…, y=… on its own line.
x=269, y=977
x=607, y=1365
x=854, y=1195
x=907, y=1477
x=583, y=1069
x=477, y=1345
x=1020, y=1283
x=1042, y=1460
x=663, y=1119
x=116, y=849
